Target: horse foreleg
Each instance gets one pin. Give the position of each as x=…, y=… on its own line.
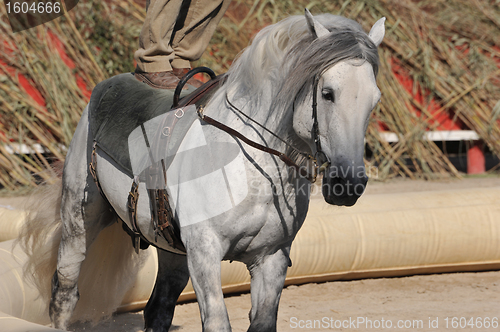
x=171, y=279
x=268, y=278
x=204, y=262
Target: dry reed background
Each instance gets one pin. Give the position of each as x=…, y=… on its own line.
x=425, y=38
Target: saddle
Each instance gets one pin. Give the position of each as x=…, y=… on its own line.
x=135, y=125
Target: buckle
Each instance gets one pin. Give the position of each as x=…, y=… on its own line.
x=179, y=113
x=165, y=131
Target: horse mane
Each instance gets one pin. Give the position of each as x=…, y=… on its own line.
x=286, y=59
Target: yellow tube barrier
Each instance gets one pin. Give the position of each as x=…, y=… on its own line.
x=383, y=235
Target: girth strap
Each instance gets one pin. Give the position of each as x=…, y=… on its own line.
x=133, y=198
x=93, y=171
x=165, y=218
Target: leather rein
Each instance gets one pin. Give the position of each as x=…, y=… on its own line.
x=320, y=160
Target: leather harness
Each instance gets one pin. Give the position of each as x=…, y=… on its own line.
x=162, y=216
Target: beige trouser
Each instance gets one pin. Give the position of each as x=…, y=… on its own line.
x=176, y=32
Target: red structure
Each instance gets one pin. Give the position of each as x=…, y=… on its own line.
x=475, y=158
x=444, y=120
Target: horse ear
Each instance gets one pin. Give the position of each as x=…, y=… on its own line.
x=377, y=32
x=317, y=29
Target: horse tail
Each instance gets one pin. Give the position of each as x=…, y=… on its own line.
x=110, y=267
x=40, y=236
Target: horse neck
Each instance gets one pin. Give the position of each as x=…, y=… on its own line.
x=258, y=108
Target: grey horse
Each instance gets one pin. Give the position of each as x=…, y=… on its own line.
x=302, y=81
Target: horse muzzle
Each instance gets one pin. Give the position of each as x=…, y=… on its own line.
x=343, y=190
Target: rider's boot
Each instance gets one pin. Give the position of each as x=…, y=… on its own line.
x=165, y=79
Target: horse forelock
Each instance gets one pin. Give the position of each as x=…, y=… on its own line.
x=286, y=59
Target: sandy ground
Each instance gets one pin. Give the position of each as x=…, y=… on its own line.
x=412, y=301
x=457, y=301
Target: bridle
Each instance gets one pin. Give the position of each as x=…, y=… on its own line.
x=320, y=159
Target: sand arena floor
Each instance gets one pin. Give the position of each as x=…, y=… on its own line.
x=456, y=301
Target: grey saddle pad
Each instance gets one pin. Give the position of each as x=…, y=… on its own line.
x=121, y=104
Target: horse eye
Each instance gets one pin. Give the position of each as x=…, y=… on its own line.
x=328, y=95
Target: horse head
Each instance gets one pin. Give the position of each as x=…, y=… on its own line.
x=344, y=94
